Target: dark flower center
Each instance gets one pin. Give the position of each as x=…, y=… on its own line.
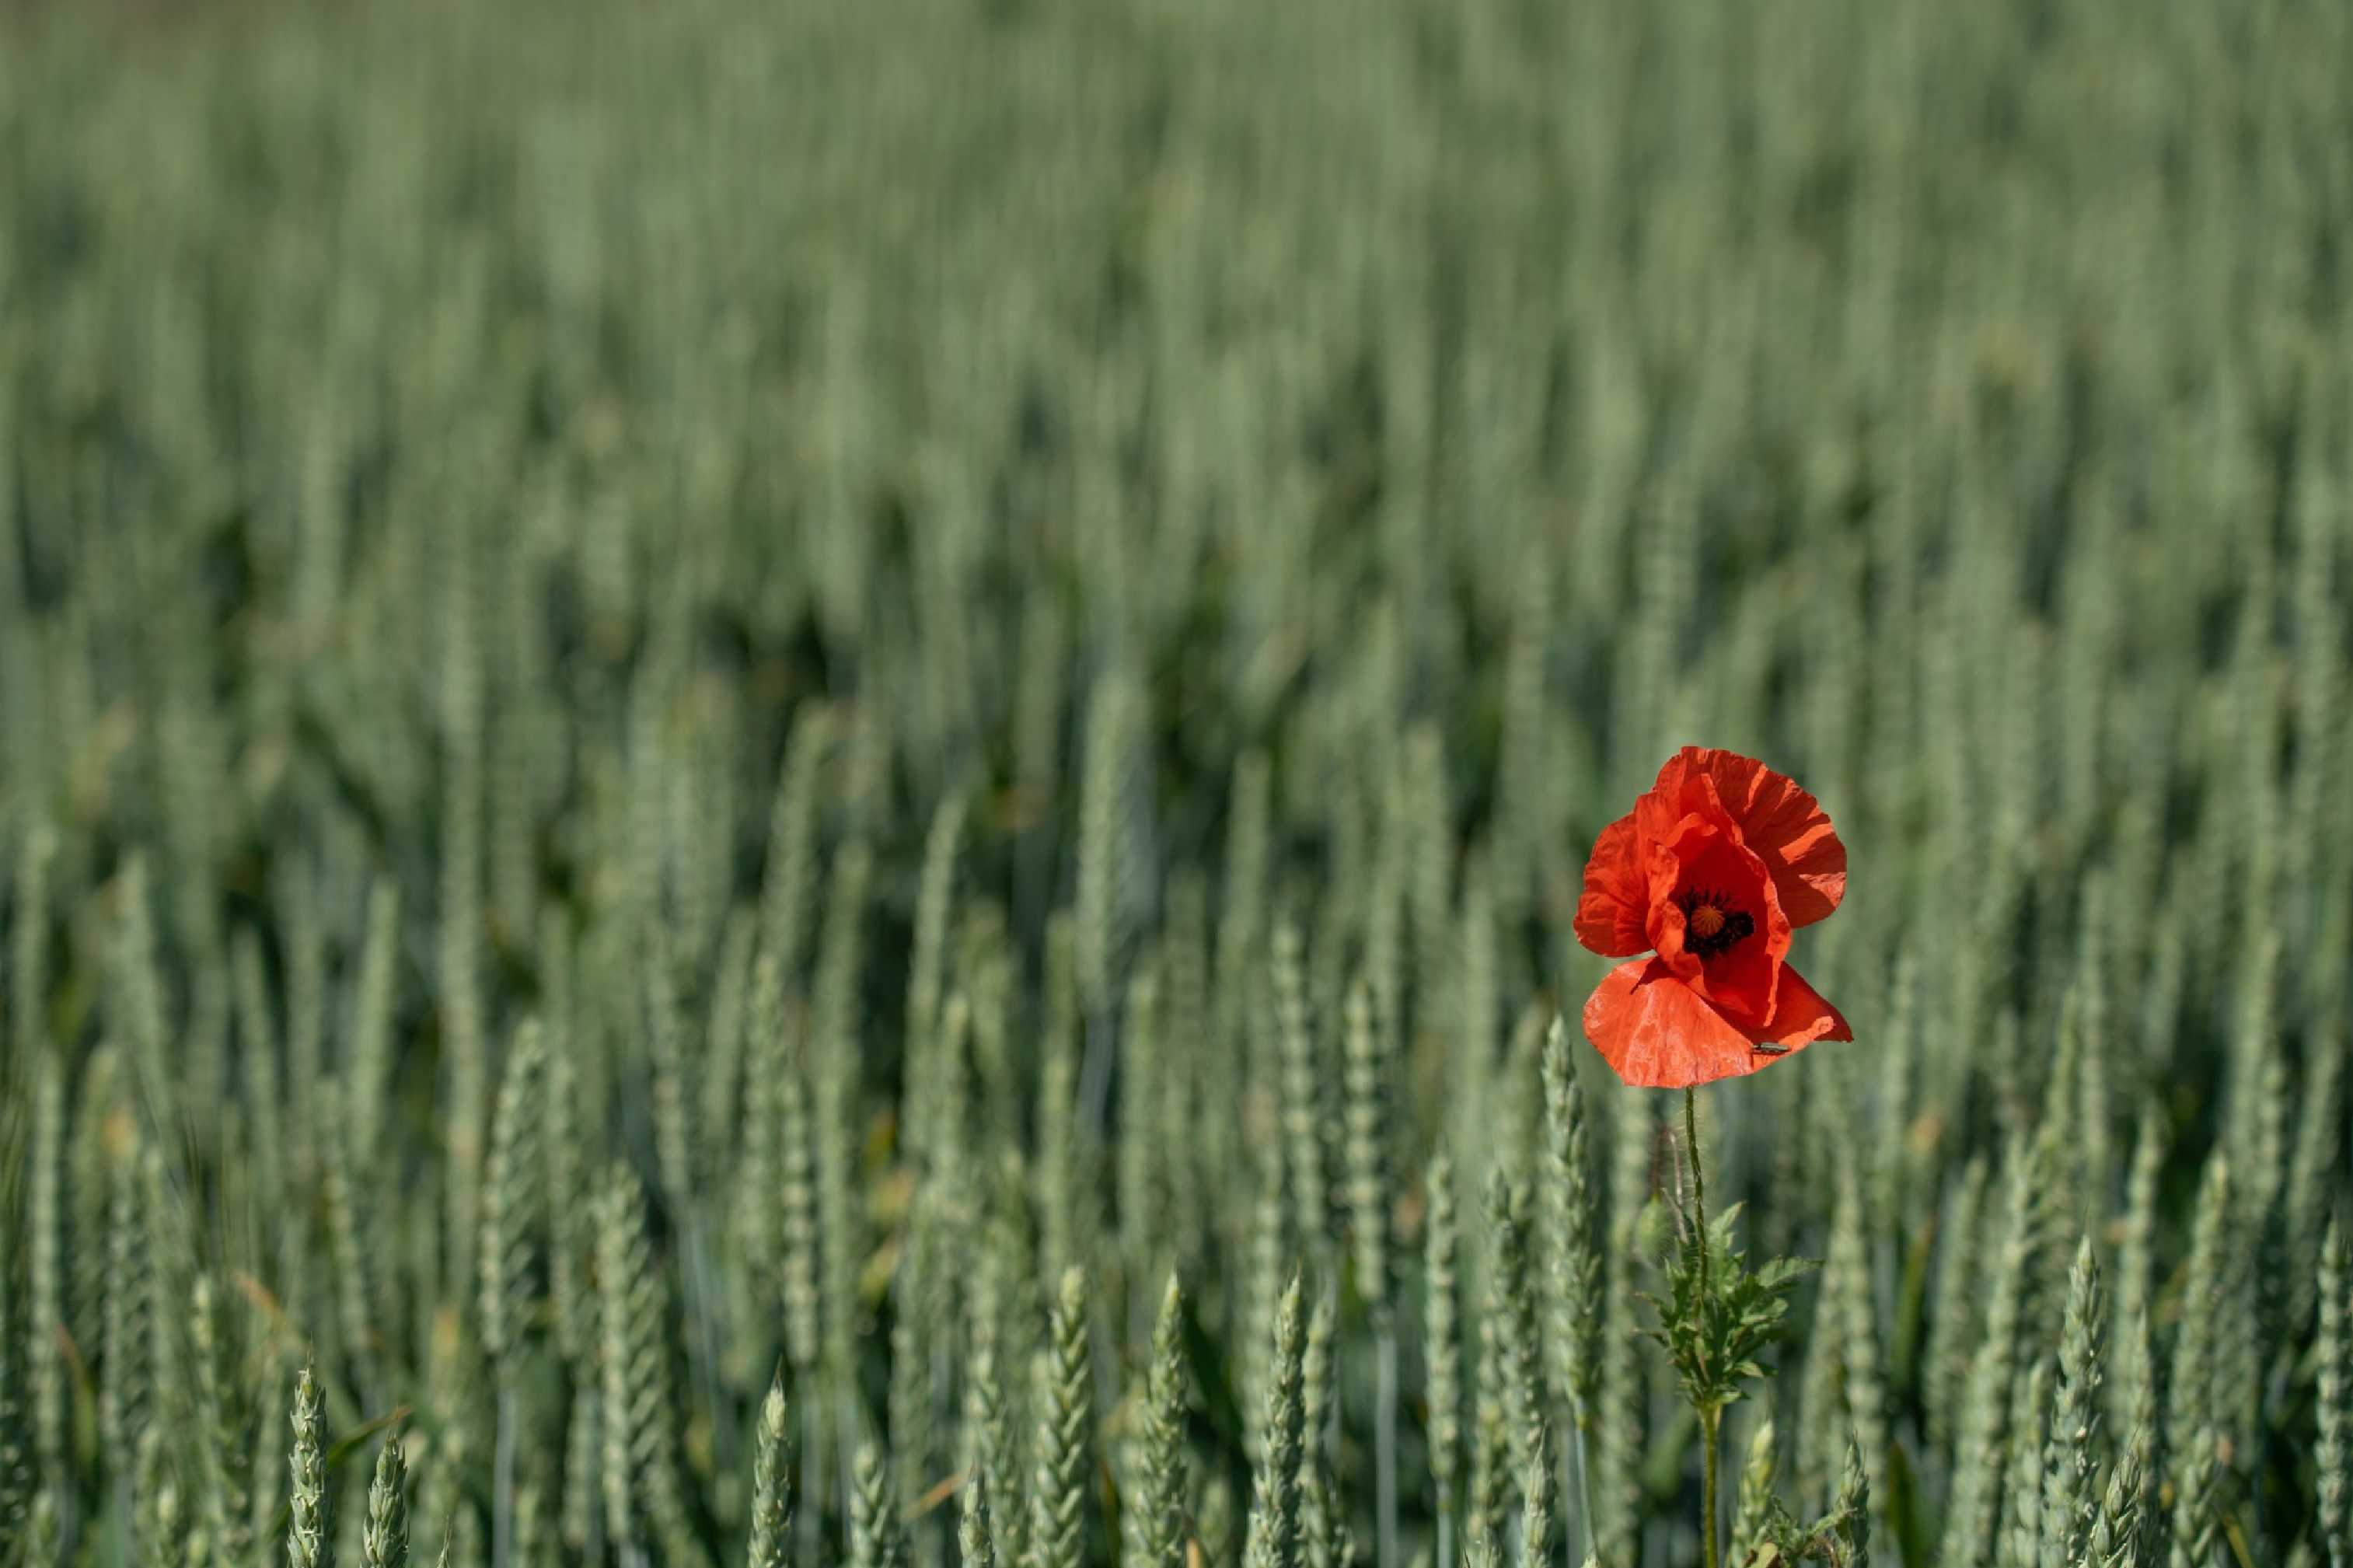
x=1711, y=924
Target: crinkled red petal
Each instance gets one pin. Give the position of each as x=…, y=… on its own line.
x=1785, y=825
x=1656, y=1032
x=1610, y=912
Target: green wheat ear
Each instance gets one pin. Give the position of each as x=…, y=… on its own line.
x=1573, y=1278
x=1491, y=1443
x=126, y=1371
x=1443, y=1342
x=227, y=1463
x=307, y=1542
x=800, y=1257
x=160, y=1533
x=2071, y=1463
x=1367, y=1111
x=2116, y=1537
x=582, y=1510
x=1854, y=1508
x=992, y=1444
x=1274, y=1519
x=641, y=1477
x=1539, y=1483
x=1162, y=1473
x=1752, y=1517
x=877, y=1539
x=1303, y=1119
x=383, y=1544
x=1321, y=1516
x=512, y=1200
x=974, y=1539
x=772, y=1484
x=1511, y=1308
x=1065, y=1418
x=2134, y=1373
x=46, y=1269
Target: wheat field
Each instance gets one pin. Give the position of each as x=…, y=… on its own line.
x=806, y=786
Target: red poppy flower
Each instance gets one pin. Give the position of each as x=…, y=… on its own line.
x=1708, y=874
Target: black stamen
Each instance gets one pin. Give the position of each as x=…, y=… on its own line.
x=1737, y=925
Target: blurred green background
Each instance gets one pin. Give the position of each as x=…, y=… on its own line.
x=1241, y=464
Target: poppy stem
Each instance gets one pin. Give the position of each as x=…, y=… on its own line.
x=1710, y=1414
x=1699, y=1184
x=1710, y=1419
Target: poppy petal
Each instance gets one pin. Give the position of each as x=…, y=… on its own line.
x=1803, y=1016
x=1611, y=911
x=1785, y=825
x=1657, y=1032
